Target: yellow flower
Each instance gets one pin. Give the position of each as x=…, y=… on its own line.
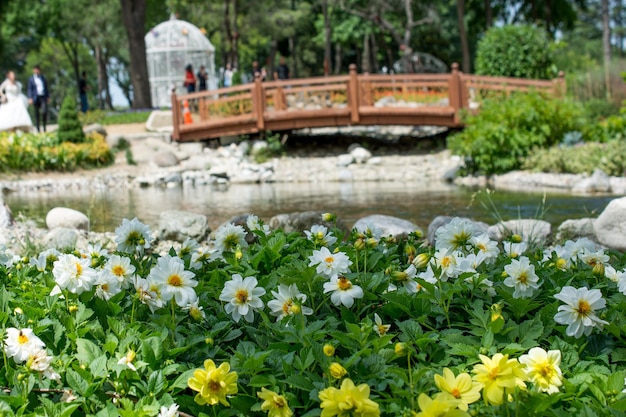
x=543, y=369
x=337, y=371
x=213, y=384
x=461, y=387
x=349, y=400
x=499, y=375
x=329, y=350
x=400, y=349
x=442, y=405
x=275, y=405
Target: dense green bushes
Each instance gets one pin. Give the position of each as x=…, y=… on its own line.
x=497, y=139
x=113, y=118
x=70, y=128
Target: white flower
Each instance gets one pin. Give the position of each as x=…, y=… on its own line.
x=120, y=268
x=40, y=362
x=189, y=246
x=579, y=310
x=96, y=251
x=39, y=262
x=612, y=274
x=407, y=279
x=170, y=275
x=593, y=258
x=195, y=310
x=288, y=301
x=254, y=224
x=73, y=274
x=106, y=285
x=202, y=254
x=343, y=291
x=447, y=262
x=486, y=247
x=320, y=235
x=513, y=250
x=621, y=283
x=543, y=369
x=20, y=344
x=171, y=411
x=128, y=360
x=563, y=261
x=572, y=249
x=521, y=277
x=380, y=328
x=455, y=235
x=228, y=237
x=242, y=297
x=330, y=264
x=148, y=293
x=132, y=236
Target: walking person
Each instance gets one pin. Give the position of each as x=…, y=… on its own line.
x=282, y=70
x=38, y=96
x=228, y=76
x=83, y=87
x=190, y=79
x=202, y=78
x=14, y=107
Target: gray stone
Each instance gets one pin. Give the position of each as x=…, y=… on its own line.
x=441, y=221
x=375, y=160
x=386, y=226
x=61, y=239
x=598, y=182
x=345, y=175
x=66, y=218
x=159, y=120
x=181, y=225
x=95, y=128
x=575, y=229
x=6, y=216
x=610, y=226
x=301, y=221
x=531, y=230
x=165, y=159
x=344, y=160
x=450, y=175
x=360, y=155
x=174, y=177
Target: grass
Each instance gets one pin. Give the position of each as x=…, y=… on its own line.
x=114, y=118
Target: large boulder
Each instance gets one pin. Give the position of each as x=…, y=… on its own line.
x=6, y=216
x=61, y=238
x=531, y=230
x=181, y=225
x=440, y=221
x=95, y=128
x=610, y=226
x=165, y=159
x=67, y=218
x=576, y=229
x=598, y=182
x=301, y=221
x=360, y=155
x=383, y=226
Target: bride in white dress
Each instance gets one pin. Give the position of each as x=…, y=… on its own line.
x=14, y=110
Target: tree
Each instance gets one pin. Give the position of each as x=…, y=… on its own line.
x=70, y=129
x=134, y=19
x=606, y=46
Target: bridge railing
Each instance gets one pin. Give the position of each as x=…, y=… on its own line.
x=353, y=99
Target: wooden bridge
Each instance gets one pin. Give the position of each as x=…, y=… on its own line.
x=353, y=99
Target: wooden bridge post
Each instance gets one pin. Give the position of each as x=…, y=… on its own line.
x=455, y=93
x=258, y=95
x=175, y=116
x=559, y=87
x=353, y=95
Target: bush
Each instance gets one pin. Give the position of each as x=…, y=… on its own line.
x=70, y=128
x=609, y=129
x=497, y=139
x=515, y=51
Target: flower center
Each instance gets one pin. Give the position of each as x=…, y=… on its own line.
x=523, y=278
x=118, y=270
x=105, y=287
x=79, y=269
x=455, y=393
x=344, y=284
x=482, y=247
x=230, y=242
x=22, y=339
x=287, y=307
x=241, y=296
x=460, y=239
x=133, y=238
x=175, y=280
x=279, y=401
x=329, y=260
x=546, y=370
x=214, y=386
x=493, y=374
x=583, y=308
x=446, y=262
x=382, y=330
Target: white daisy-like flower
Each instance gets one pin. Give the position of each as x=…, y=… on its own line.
x=170, y=275
x=228, y=237
x=73, y=274
x=406, y=278
x=128, y=360
x=132, y=236
x=106, y=285
x=521, y=277
x=513, y=250
x=481, y=283
x=621, y=283
x=330, y=264
x=39, y=262
x=171, y=411
x=95, y=250
x=195, y=310
x=201, y=255
x=456, y=235
x=6, y=256
x=21, y=344
x=579, y=310
x=380, y=328
x=254, y=224
x=288, y=301
x=188, y=247
x=447, y=263
x=369, y=229
x=40, y=362
x=594, y=258
x=148, y=293
x=242, y=297
x=543, y=369
x=343, y=291
x=121, y=268
x=573, y=248
x=320, y=235
x=612, y=274
x=486, y=247
x=563, y=257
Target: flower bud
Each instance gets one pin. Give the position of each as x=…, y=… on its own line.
x=337, y=371
x=359, y=244
x=17, y=311
x=329, y=217
x=496, y=312
x=399, y=276
x=410, y=251
x=598, y=269
x=561, y=264
x=196, y=313
x=329, y=350
x=515, y=238
x=73, y=309
x=372, y=242
x=418, y=233
x=209, y=341
x=400, y=349
x=295, y=308
x=421, y=260
x=238, y=254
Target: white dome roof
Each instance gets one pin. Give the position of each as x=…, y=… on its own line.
x=177, y=35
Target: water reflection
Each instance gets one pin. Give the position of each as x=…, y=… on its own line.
x=418, y=202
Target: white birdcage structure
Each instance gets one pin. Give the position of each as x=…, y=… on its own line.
x=170, y=47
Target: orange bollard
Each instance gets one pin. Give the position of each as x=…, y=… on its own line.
x=186, y=113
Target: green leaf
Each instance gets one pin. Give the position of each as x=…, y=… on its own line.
x=300, y=382
x=87, y=350
x=181, y=381
x=156, y=383
x=76, y=381
x=98, y=367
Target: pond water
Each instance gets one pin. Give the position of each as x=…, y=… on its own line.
x=419, y=203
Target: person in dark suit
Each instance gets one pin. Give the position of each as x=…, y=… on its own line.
x=38, y=96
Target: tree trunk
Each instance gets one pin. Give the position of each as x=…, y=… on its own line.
x=619, y=22
x=294, y=58
x=460, y=16
x=134, y=18
x=606, y=47
x=365, y=58
x=488, y=14
x=374, y=54
x=338, y=58
x=327, y=38
x=98, y=53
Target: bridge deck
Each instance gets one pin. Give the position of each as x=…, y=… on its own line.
x=394, y=99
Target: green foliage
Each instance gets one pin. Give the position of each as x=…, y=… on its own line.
x=113, y=118
x=70, y=129
x=273, y=149
x=515, y=51
x=504, y=132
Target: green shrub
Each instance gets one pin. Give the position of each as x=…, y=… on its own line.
x=598, y=109
x=501, y=135
x=70, y=128
x=515, y=51
x=609, y=129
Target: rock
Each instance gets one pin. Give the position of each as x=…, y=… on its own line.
x=383, y=226
x=376, y=160
x=95, y=128
x=360, y=155
x=175, y=178
x=344, y=160
x=345, y=175
x=598, y=182
x=530, y=230
x=301, y=221
x=450, y=175
x=165, y=159
x=610, y=226
x=61, y=239
x=66, y=218
x=575, y=229
x=258, y=146
x=159, y=120
x=440, y=221
x=181, y=225
x=6, y=216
